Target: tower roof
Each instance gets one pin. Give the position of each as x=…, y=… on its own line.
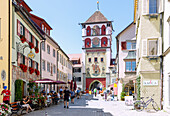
x=97, y=17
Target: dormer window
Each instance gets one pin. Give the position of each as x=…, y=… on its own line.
x=48, y=32
x=42, y=27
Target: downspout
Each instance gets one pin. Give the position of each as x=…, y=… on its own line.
x=57, y=67
x=161, y=60
x=9, y=47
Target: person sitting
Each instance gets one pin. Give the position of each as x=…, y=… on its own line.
x=48, y=100
x=24, y=103
x=55, y=98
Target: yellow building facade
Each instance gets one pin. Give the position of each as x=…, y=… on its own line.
x=5, y=44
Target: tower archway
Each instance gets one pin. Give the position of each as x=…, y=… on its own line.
x=95, y=84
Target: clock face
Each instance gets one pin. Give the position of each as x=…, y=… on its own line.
x=95, y=41
x=3, y=75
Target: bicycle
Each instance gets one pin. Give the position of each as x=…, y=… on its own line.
x=141, y=104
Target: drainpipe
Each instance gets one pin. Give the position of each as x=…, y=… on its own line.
x=9, y=45
x=57, y=67
x=161, y=60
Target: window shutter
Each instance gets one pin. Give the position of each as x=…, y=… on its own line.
x=123, y=45
x=144, y=48
x=160, y=46
x=161, y=6
x=38, y=44
x=145, y=7
x=18, y=27
x=33, y=64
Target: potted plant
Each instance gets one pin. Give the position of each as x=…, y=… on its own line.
x=31, y=70
x=4, y=109
x=36, y=50
x=31, y=45
x=23, y=39
x=37, y=72
x=123, y=94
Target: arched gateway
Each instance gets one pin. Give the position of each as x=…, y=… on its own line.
x=95, y=84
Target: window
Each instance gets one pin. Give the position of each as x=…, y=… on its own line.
x=152, y=6
x=43, y=65
x=54, y=69
x=36, y=43
x=48, y=67
x=21, y=29
x=42, y=27
x=23, y=59
x=123, y=45
x=77, y=79
x=43, y=46
x=101, y=59
x=76, y=70
x=89, y=59
x=152, y=47
x=53, y=53
x=30, y=62
x=30, y=38
x=48, y=32
x=48, y=49
x=95, y=59
x=45, y=30
x=36, y=65
x=130, y=66
x=131, y=45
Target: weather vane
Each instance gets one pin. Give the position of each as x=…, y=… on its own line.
x=98, y=5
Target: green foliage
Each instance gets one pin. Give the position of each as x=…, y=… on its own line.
x=33, y=88
x=138, y=87
x=18, y=90
x=122, y=96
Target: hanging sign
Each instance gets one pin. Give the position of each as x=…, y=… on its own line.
x=150, y=82
x=31, y=55
x=115, y=85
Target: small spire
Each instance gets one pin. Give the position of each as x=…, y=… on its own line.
x=97, y=5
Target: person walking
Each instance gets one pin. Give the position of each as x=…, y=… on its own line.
x=66, y=97
x=61, y=93
x=78, y=93
x=95, y=92
x=6, y=95
x=72, y=96
x=112, y=93
x=87, y=93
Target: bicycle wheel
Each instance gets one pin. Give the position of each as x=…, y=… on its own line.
x=155, y=106
x=138, y=105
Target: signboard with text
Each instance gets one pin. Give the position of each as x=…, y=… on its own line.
x=150, y=82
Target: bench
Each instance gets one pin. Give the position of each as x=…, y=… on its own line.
x=16, y=107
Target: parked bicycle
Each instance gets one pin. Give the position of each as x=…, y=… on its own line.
x=141, y=104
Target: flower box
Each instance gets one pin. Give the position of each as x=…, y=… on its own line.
x=23, y=39
x=36, y=50
x=37, y=72
x=23, y=67
x=31, y=45
x=31, y=70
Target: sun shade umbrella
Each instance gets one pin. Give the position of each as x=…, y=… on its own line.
x=75, y=85
x=71, y=84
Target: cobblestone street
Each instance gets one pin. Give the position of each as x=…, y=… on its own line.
x=94, y=107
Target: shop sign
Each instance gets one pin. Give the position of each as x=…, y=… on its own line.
x=150, y=83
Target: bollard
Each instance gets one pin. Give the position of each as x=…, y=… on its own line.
x=46, y=113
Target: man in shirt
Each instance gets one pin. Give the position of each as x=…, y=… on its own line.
x=6, y=95
x=66, y=97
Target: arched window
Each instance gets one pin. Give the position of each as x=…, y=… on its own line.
x=88, y=31
x=103, y=30
x=87, y=42
x=104, y=42
x=96, y=30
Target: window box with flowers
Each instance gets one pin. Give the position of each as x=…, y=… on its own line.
x=36, y=50
x=23, y=67
x=37, y=72
x=23, y=39
x=31, y=70
x=31, y=45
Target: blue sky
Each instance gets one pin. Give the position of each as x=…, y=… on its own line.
x=65, y=15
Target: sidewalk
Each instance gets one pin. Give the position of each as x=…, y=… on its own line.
x=118, y=108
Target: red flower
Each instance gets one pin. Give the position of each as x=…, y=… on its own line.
x=37, y=72
x=23, y=39
x=23, y=67
x=31, y=45
x=36, y=50
x=31, y=70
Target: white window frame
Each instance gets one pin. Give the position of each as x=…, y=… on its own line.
x=42, y=27
x=43, y=46
x=21, y=29
x=43, y=65
x=45, y=30
x=131, y=47
x=48, y=49
x=53, y=52
x=152, y=39
x=48, y=66
x=54, y=69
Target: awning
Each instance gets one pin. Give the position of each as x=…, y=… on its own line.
x=128, y=78
x=48, y=81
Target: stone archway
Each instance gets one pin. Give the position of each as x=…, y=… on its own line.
x=95, y=84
